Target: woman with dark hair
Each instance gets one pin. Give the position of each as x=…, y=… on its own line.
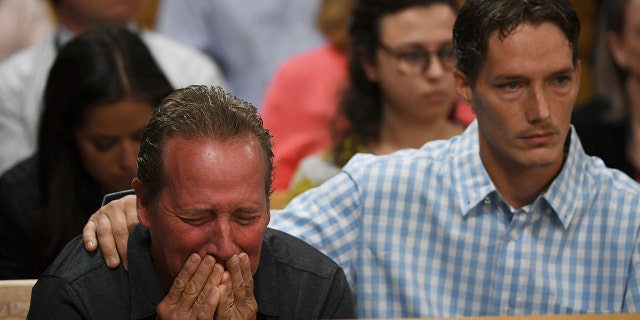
x=401, y=92
x=102, y=89
x=609, y=124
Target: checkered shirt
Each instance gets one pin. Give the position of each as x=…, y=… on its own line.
x=425, y=233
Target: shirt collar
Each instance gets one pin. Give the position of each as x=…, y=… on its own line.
x=471, y=180
x=567, y=189
x=473, y=184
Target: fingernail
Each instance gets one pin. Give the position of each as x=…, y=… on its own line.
x=90, y=244
x=112, y=261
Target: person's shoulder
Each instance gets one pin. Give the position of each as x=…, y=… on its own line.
x=22, y=78
x=24, y=172
x=19, y=193
x=296, y=280
x=607, y=178
x=183, y=65
x=601, y=182
x=318, y=166
x=166, y=49
x=78, y=283
x=75, y=262
x=320, y=58
x=613, y=192
x=159, y=42
x=300, y=74
x=359, y=160
x=294, y=252
x=430, y=152
x=23, y=61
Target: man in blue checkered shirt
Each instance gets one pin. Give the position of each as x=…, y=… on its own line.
x=510, y=218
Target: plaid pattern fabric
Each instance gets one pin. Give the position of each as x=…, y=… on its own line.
x=424, y=233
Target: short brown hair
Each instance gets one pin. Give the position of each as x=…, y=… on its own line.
x=197, y=112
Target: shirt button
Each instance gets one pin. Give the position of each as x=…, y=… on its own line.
x=487, y=200
x=505, y=308
x=515, y=237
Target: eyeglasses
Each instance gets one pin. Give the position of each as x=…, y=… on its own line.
x=416, y=61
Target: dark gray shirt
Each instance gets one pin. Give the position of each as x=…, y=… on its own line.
x=293, y=281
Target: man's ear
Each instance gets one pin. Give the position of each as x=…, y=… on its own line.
x=463, y=87
x=143, y=211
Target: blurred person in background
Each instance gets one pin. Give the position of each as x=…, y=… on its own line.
x=400, y=92
x=302, y=98
x=23, y=75
x=100, y=93
x=249, y=39
x=609, y=124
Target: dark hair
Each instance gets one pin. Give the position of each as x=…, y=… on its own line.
x=608, y=77
x=197, y=112
x=478, y=19
x=360, y=109
x=101, y=66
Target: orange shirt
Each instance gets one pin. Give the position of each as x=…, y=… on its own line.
x=299, y=105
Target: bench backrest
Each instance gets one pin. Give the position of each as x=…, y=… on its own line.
x=15, y=297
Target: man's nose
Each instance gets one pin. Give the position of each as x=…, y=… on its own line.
x=538, y=108
x=222, y=239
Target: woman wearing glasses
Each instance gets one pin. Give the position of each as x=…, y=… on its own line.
x=401, y=90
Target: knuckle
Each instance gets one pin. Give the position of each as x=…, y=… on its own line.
x=179, y=284
x=120, y=232
x=202, y=298
x=248, y=283
x=239, y=290
x=191, y=289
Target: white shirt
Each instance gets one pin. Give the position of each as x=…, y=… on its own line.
x=249, y=39
x=23, y=78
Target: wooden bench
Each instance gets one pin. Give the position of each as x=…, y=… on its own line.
x=15, y=297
